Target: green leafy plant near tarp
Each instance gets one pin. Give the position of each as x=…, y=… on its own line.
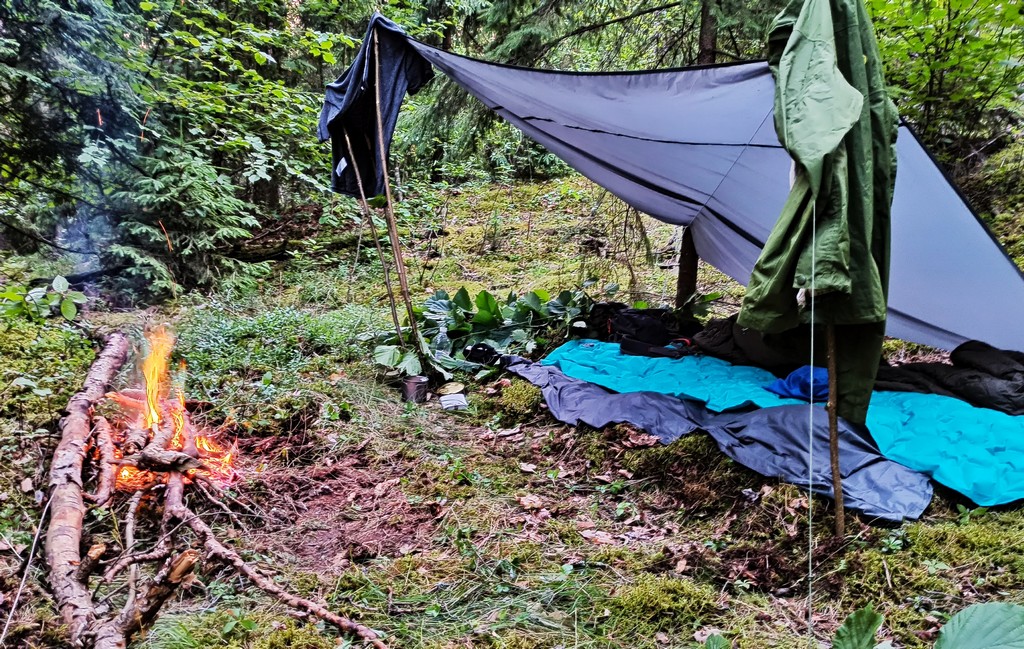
x=518, y=324
x=994, y=625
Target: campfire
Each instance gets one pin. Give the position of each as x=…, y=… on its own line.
x=159, y=412
x=172, y=467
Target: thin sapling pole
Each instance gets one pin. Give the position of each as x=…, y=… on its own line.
x=368, y=215
x=833, y=431
x=389, y=212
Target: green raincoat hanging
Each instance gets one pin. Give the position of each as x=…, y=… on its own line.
x=834, y=117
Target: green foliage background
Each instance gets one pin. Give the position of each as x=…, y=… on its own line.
x=160, y=137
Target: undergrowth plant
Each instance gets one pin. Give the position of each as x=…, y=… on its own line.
x=518, y=324
x=41, y=301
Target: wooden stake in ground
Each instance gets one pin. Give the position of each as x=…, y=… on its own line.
x=833, y=432
x=368, y=217
x=389, y=212
x=686, y=278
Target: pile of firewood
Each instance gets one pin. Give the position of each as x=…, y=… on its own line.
x=152, y=457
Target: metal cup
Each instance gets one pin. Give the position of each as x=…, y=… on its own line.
x=414, y=388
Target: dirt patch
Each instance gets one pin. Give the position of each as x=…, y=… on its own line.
x=328, y=517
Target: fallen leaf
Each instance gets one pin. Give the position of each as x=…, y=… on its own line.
x=704, y=633
x=507, y=432
x=383, y=487
x=585, y=525
x=661, y=638
x=600, y=537
x=637, y=439
x=526, y=467
x=529, y=501
x=337, y=376
x=27, y=485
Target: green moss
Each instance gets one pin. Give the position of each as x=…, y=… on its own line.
x=591, y=444
x=293, y=636
x=53, y=356
x=521, y=399
x=655, y=461
x=658, y=603
x=626, y=558
x=305, y=583
x=993, y=545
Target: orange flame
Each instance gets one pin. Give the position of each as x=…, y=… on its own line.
x=217, y=460
x=154, y=369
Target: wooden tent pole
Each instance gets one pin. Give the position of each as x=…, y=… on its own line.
x=833, y=431
x=396, y=247
x=686, y=281
x=367, y=215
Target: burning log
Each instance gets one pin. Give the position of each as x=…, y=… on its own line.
x=162, y=447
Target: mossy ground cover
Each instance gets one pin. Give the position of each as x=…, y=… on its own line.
x=495, y=526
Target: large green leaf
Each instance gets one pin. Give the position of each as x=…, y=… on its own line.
x=717, y=642
x=68, y=309
x=410, y=363
x=994, y=625
x=533, y=300
x=858, y=631
x=60, y=284
x=487, y=305
x=387, y=355
x=462, y=299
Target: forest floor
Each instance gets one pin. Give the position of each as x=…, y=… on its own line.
x=491, y=527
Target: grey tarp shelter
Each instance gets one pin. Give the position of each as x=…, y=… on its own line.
x=696, y=146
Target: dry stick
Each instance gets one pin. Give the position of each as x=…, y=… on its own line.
x=217, y=492
x=90, y=561
x=135, y=439
x=219, y=503
x=389, y=212
x=64, y=536
x=376, y=240
x=108, y=474
x=129, y=543
x=145, y=607
x=140, y=611
x=161, y=549
x=24, y=576
x=833, y=431
x=215, y=549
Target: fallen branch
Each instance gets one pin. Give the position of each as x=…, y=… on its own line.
x=129, y=544
x=217, y=550
x=64, y=537
x=141, y=611
x=108, y=475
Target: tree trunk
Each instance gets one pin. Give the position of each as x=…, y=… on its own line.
x=708, y=41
